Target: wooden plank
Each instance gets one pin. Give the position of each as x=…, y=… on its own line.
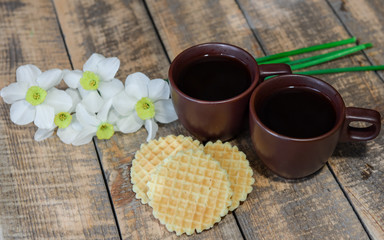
x=301, y=23
x=123, y=29
x=45, y=192
x=182, y=25
x=364, y=19
x=276, y=209
x=366, y=161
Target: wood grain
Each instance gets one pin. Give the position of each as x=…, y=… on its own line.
x=45, y=192
x=183, y=24
x=310, y=208
x=308, y=23
x=276, y=209
x=365, y=161
x=134, y=41
x=365, y=20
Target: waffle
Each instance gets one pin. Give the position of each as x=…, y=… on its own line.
x=237, y=166
x=189, y=192
x=153, y=153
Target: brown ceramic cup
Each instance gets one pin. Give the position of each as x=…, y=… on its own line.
x=293, y=157
x=206, y=117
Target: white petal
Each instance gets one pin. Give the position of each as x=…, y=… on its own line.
x=107, y=68
x=151, y=127
x=72, y=78
x=44, y=116
x=83, y=92
x=14, y=92
x=85, y=136
x=75, y=124
x=102, y=115
x=93, y=102
x=67, y=135
x=75, y=96
x=158, y=89
x=27, y=74
x=91, y=63
x=111, y=88
x=85, y=118
x=113, y=116
x=136, y=85
x=50, y=78
x=22, y=112
x=42, y=134
x=123, y=103
x=129, y=124
x=59, y=100
x=165, y=112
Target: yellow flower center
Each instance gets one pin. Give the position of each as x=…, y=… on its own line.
x=105, y=131
x=35, y=95
x=63, y=119
x=89, y=81
x=145, y=108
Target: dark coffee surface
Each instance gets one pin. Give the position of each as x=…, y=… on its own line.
x=214, y=78
x=298, y=113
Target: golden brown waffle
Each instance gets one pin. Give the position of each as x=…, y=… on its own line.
x=189, y=191
x=236, y=164
x=153, y=153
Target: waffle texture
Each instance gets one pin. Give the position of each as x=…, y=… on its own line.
x=152, y=154
x=189, y=192
x=237, y=166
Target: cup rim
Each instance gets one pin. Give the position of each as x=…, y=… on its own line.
x=339, y=115
x=248, y=91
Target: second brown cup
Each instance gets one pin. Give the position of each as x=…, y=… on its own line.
x=297, y=120
x=211, y=84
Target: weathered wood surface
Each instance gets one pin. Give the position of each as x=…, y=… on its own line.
x=45, y=193
x=48, y=194
x=312, y=22
x=365, y=20
x=279, y=26
x=138, y=49
x=360, y=169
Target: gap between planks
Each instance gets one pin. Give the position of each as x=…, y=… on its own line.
x=349, y=201
x=263, y=48
x=362, y=52
x=93, y=140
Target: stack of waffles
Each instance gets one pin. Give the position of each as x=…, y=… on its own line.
x=190, y=186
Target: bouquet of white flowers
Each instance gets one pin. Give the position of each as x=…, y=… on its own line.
x=94, y=104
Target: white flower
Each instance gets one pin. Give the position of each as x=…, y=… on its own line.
x=62, y=120
x=69, y=134
x=143, y=102
x=98, y=75
x=93, y=124
x=34, y=97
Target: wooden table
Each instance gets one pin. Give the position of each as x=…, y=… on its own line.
x=50, y=190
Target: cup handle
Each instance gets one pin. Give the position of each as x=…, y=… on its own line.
x=267, y=70
x=355, y=134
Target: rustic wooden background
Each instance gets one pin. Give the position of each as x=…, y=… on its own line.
x=49, y=190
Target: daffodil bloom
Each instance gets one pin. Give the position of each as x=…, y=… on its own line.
x=69, y=134
x=62, y=119
x=98, y=75
x=94, y=124
x=143, y=102
x=34, y=97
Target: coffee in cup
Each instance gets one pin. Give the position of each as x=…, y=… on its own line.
x=211, y=85
x=296, y=122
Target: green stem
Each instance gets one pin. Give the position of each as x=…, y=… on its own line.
x=331, y=56
x=278, y=60
x=301, y=60
x=340, y=70
x=307, y=49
